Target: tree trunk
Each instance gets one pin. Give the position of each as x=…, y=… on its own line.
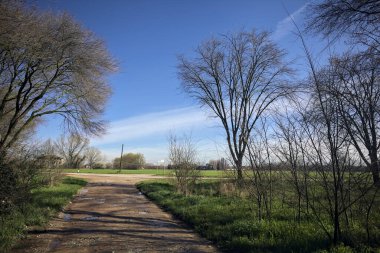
x=299, y=208
x=239, y=174
x=239, y=171
x=239, y=177
x=337, y=232
x=375, y=174
x=375, y=168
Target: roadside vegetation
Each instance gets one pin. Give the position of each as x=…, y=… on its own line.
x=230, y=219
x=44, y=203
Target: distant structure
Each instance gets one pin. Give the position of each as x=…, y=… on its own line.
x=50, y=161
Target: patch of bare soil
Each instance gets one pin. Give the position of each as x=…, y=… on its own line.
x=111, y=215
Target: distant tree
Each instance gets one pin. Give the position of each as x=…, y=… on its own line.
x=183, y=160
x=48, y=153
x=49, y=64
x=50, y=162
x=48, y=148
x=98, y=166
x=93, y=156
x=72, y=149
x=130, y=161
x=238, y=77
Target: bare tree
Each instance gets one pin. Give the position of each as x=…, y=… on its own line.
x=335, y=189
x=355, y=18
x=238, y=77
x=50, y=162
x=93, y=156
x=291, y=151
x=183, y=159
x=49, y=64
x=259, y=183
x=356, y=89
x=357, y=94
x=330, y=153
x=48, y=148
x=72, y=149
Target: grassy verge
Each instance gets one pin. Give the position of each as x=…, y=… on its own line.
x=159, y=172
x=230, y=221
x=45, y=203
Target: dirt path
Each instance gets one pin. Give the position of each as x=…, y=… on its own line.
x=110, y=215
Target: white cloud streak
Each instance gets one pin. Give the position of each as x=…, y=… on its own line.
x=284, y=27
x=153, y=124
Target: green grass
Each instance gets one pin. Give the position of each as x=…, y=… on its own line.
x=45, y=203
x=116, y=171
x=159, y=172
x=231, y=221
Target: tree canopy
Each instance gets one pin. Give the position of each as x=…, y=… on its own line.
x=237, y=76
x=130, y=161
x=49, y=64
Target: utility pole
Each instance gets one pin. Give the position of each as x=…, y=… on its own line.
x=121, y=156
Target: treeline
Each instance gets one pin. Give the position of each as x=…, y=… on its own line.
x=72, y=152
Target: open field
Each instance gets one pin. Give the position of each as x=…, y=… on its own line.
x=231, y=221
x=169, y=173
x=157, y=172
x=44, y=204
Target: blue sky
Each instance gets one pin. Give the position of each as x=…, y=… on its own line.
x=145, y=37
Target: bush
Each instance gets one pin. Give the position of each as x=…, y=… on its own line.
x=8, y=186
x=17, y=179
x=98, y=166
x=44, y=203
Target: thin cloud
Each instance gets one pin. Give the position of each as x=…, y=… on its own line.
x=151, y=124
x=206, y=150
x=284, y=27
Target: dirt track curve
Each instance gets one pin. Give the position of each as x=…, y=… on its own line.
x=111, y=215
